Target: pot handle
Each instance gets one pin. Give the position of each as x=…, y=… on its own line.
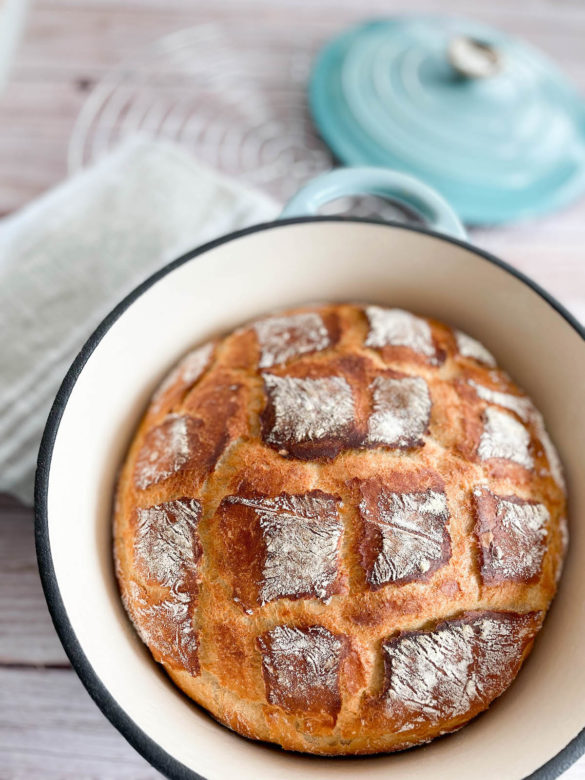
x=398, y=187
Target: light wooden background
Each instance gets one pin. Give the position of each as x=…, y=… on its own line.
x=49, y=727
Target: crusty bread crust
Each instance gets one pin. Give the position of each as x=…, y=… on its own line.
x=339, y=529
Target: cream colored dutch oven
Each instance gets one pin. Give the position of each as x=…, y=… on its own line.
x=536, y=726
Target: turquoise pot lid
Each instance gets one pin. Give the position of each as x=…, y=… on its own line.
x=504, y=141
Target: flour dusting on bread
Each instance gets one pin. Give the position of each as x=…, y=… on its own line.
x=302, y=534
x=283, y=338
x=471, y=348
x=512, y=534
x=519, y=404
x=414, y=536
x=399, y=328
x=167, y=627
x=430, y=673
x=186, y=373
x=402, y=407
x=309, y=409
x=167, y=449
x=301, y=667
x=554, y=461
x=504, y=437
x=166, y=541
x=525, y=409
x=439, y=675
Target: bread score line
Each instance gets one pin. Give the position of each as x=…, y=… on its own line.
x=339, y=528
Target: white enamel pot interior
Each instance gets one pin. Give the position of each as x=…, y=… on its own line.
x=209, y=292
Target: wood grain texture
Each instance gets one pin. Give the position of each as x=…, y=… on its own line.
x=49, y=727
x=26, y=632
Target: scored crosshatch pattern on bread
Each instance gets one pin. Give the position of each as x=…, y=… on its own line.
x=339, y=528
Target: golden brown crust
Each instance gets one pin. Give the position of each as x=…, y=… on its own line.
x=320, y=504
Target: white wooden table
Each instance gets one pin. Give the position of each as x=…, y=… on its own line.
x=49, y=727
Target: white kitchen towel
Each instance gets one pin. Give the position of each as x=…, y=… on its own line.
x=68, y=258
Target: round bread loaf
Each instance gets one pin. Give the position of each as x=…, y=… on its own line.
x=339, y=528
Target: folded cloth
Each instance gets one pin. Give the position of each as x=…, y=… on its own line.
x=68, y=258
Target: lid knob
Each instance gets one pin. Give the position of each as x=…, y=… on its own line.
x=472, y=58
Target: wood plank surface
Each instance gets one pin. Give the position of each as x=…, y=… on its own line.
x=49, y=727
x=26, y=631
x=69, y=44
